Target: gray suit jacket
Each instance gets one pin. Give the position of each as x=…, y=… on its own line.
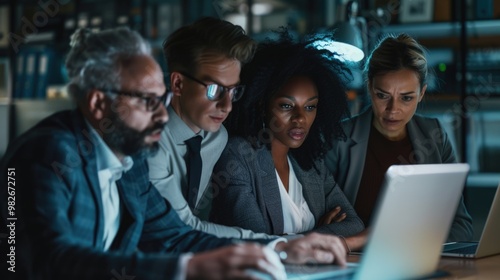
x=168, y=173
x=430, y=144
x=247, y=192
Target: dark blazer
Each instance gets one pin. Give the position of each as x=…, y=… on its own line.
x=430, y=144
x=59, y=227
x=246, y=192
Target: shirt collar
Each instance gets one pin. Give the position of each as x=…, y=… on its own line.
x=182, y=131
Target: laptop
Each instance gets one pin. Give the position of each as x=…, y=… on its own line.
x=411, y=222
x=489, y=243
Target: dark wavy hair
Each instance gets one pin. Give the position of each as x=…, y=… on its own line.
x=275, y=63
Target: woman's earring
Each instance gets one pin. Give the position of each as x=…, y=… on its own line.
x=264, y=134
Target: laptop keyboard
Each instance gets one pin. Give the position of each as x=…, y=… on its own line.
x=464, y=250
x=319, y=271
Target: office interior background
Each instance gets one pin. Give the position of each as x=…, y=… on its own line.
x=462, y=38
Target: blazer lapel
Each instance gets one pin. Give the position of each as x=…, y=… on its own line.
x=87, y=153
x=312, y=189
x=92, y=178
x=270, y=190
x=361, y=133
x=424, y=150
x=130, y=214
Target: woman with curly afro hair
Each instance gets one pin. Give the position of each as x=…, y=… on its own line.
x=271, y=176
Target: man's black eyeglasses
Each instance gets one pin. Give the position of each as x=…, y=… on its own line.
x=216, y=92
x=150, y=100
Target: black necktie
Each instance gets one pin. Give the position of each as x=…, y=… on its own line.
x=193, y=165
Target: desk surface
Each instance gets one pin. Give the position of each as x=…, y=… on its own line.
x=459, y=268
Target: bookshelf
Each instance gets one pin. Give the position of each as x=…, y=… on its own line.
x=39, y=41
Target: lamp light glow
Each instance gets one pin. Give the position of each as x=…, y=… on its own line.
x=346, y=52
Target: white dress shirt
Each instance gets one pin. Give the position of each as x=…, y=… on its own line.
x=110, y=170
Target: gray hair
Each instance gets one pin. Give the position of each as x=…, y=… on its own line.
x=94, y=58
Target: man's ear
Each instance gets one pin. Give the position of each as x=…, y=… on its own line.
x=97, y=103
x=176, y=83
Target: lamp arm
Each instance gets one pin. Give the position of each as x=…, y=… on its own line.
x=361, y=23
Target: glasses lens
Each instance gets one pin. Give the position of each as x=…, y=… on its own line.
x=152, y=103
x=214, y=92
x=168, y=98
x=238, y=93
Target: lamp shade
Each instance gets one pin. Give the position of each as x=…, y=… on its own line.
x=349, y=42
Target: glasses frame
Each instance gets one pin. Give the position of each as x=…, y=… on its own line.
x=225, y=90
x=151, y=100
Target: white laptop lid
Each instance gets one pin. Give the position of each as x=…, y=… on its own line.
x=412, y=220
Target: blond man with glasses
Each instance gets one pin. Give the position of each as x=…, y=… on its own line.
x=204, y=60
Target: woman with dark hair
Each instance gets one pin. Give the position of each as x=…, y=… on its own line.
x=271, y=176
x=389, y=132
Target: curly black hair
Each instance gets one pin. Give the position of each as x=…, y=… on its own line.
x=276, y=62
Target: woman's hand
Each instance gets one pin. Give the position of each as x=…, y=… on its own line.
x=314, y=248
x=334, y=216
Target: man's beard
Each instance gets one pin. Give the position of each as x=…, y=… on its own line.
x=128, y=141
